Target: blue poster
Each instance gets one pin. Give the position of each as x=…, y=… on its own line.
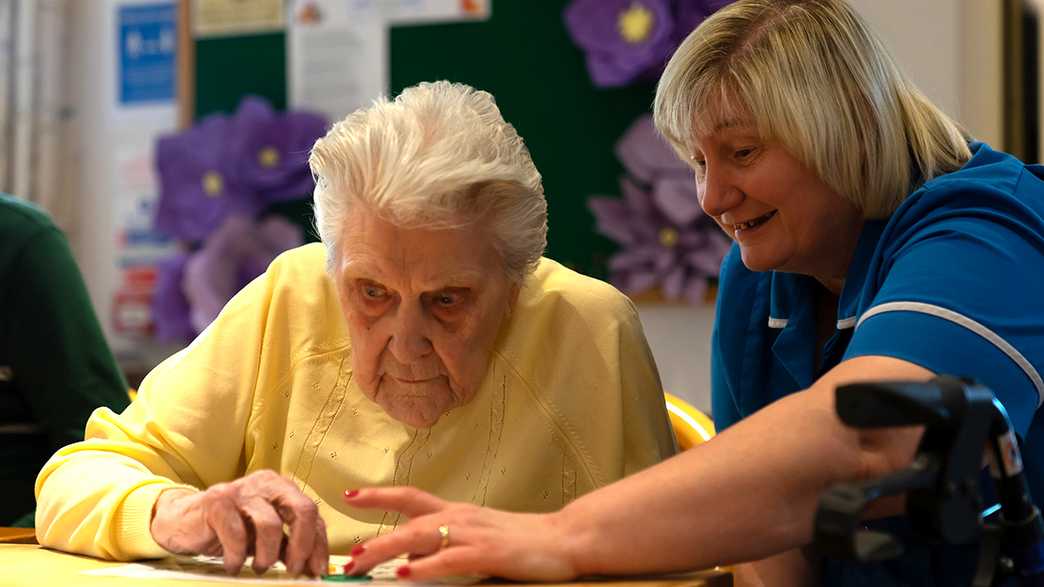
x=147, y=36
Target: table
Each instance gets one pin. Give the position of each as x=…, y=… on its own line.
x=30, y=565
x=17, y=535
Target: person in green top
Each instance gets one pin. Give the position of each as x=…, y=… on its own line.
x=55, y=366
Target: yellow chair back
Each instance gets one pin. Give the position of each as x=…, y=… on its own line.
x=691, y=426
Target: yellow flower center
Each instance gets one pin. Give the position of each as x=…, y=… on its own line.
x=636, y=23
x=213, y=185
x=668, y=237
x=269, y=157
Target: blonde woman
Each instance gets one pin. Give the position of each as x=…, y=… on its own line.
x=873, y=240
x=425, y=342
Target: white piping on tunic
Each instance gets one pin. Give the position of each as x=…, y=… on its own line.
x=962, y=320
x=846, y=323
x=782, y=322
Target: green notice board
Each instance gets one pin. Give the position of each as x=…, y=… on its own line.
x=524, y=57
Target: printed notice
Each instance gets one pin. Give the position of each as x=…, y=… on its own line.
x=337, y=53
x=405, y=12
x=147, y=44
x=236, y=17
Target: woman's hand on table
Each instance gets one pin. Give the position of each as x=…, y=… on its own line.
x=444, y=538
x=242, y=518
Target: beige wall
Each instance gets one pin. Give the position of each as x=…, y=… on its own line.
x=927, y=39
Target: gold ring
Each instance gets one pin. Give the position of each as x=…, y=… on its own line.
x=444, y=536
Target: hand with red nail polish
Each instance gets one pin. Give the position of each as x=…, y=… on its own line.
x=457, y=539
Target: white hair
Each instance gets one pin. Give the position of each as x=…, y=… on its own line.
x=439, y=155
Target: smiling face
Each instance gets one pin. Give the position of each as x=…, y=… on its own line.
x=782, y=215
x=424, y=308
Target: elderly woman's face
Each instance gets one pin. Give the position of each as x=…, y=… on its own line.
x=782, y=215
x=424, y=308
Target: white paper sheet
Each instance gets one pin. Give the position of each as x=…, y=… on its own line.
x=338, y=55
x=235, y=17
x=205, y=568
x=404, y=12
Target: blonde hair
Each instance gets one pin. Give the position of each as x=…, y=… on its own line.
x=810, y=75
x=440, y=155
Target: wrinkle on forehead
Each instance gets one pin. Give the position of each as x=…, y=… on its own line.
x=423, y=280
x=423, y=258
x=422, y=271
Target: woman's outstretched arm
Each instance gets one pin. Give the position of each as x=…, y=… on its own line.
x=749, y=493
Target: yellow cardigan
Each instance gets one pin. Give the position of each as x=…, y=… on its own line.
x=571, y=401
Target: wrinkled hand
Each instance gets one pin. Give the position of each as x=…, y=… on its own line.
x=482, y=541
x=242, y=518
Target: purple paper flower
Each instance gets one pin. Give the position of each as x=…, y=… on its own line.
x=170, y=308
x=623, y=39
x=230, y=258
x=269, y=151
x=626, y=40
x=665, y=238
x=197, y=191
x=215, y=178
x=192, y=288
x=224, y=166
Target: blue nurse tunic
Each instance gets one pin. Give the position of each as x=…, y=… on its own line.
x=952, y=281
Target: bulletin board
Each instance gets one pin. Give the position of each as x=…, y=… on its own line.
x=523, y=56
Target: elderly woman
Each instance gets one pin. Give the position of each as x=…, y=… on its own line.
x=873, y=240
x=424, y=342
